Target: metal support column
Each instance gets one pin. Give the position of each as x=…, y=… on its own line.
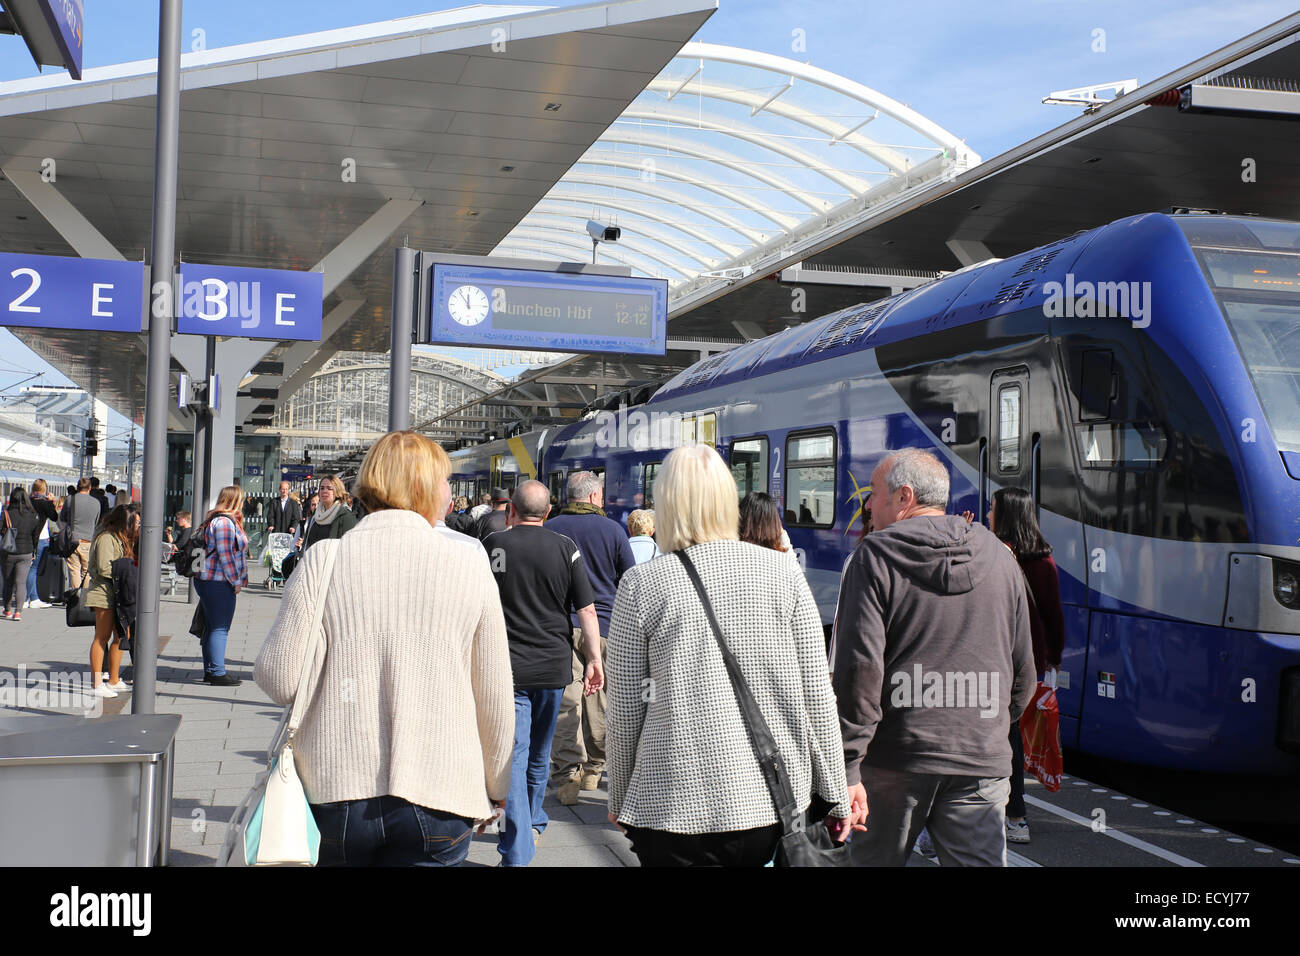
x=162, y=304
x=198, y=469
x=203, y=479
x=399, y=378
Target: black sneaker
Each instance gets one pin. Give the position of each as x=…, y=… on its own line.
x=221, y=680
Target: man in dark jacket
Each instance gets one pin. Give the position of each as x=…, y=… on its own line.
x=494, y=520
x=285, y=512
x=932, y=660
x=578, y=754
x=99, y=495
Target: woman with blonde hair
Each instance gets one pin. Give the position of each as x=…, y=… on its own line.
x=641, y=535
x=332, y=517
x=224, y=575
x=405, y=744
x=114, y=538
x=684, y=781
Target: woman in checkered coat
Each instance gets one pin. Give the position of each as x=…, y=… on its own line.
x=684, y=783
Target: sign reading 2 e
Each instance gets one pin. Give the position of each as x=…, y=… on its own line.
x=66, y=292
x=249, y=303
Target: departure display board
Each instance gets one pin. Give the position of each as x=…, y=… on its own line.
x=547, y=311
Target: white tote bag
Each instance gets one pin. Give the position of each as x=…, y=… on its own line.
x=273, y=825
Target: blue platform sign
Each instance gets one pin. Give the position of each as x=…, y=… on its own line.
x=66, y=292
x=548, y=311
x=66, y=19
x=297, y=472
x=249, y=303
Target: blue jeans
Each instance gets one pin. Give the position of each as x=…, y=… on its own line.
x=535, y=714
x=389, y=831
x=41, y=548
x=218, y=601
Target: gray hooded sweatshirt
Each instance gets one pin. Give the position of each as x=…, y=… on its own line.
x=933, y=656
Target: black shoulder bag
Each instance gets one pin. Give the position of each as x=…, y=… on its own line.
x=75, y=612
x=800, y=844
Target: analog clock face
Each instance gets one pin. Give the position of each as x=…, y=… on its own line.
x=468, y=305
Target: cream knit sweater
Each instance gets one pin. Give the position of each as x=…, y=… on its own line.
x=414, y=696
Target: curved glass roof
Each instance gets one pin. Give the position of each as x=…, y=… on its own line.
x=729, y=154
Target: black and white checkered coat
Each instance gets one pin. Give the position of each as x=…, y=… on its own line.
x=679, y=756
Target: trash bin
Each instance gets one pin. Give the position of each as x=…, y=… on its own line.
x=80, y=792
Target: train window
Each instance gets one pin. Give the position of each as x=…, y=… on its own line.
x=648, y=485
x=1097, y=385
x=1009, y=428
x=749, y=465
x=555, y=481
x=706, y=430
x=688, y=431
x=1127, y=445
x=810, y=480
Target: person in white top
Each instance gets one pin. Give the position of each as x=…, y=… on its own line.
x=407, y=740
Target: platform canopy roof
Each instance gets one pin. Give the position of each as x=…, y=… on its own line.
x=456, y=123
x=1136, y=153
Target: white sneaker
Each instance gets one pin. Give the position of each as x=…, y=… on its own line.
x=31, y=604
x=103, y=690
x=1017, y=831
x=120, y=685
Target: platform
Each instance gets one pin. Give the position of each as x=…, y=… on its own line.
x=222, y=743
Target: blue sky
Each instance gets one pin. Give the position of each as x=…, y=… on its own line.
x=977, y=68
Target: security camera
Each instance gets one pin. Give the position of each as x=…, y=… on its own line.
x=602, y=233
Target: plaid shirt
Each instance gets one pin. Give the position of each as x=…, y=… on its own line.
x=226, y=558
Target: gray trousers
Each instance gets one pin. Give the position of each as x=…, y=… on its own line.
x=966, y=817
x=15, y=568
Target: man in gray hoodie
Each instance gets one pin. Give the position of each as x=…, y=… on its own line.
x=932, y=660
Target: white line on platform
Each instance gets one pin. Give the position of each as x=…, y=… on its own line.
x=1015, y=859
x=1120, y=835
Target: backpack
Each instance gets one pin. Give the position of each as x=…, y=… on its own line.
x=62, y=542
x=189, y=559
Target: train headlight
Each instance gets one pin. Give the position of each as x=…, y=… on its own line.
x=1286, y=584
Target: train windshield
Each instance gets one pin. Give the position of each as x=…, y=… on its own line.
x=1260, y=296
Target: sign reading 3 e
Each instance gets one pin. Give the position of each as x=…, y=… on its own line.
x=249, y=303
x=66, y=292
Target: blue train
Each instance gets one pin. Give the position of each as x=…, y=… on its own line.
x=1141, y=378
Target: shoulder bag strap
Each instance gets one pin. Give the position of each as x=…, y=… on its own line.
x=301, y=697
x=760, y=735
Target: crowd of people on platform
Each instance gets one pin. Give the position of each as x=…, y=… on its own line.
x=475, y=656
x=97, y=533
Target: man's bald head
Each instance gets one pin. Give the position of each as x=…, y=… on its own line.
x=531, y=500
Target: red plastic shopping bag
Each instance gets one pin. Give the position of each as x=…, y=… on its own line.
x=1040, y=729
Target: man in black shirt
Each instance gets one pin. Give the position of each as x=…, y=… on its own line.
x=541, y=575
x=98, y=494
x=494, y=520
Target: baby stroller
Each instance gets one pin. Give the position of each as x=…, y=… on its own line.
x=279, y=546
